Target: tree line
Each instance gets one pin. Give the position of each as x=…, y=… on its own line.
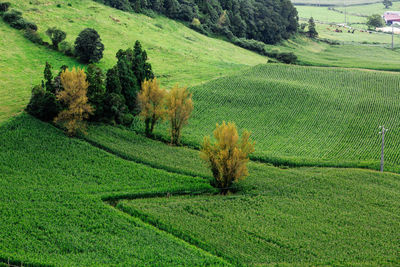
x=268, y=21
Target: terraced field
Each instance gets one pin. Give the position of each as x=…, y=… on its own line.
x=305, y=115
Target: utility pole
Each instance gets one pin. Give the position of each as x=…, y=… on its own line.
x=392, y=37
x=383, y=131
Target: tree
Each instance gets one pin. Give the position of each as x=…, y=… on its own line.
x=374, y=21
x=43, y=104
x=129, y=84
x=151, y=100
x=228, y=156
x=48, y=76
x=312, y=32
x=74, y=96
x=56, y=36
x=387, y=3
x=179, y=107
x=96, y=90
x=4, y=6
x=88, y=46
x=140, y=65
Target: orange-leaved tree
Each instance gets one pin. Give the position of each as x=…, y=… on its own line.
x=75, y=98
x=151, y=100
x=179, y=107
x=227, y=156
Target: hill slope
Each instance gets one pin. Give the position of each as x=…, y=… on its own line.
x=178, y=54
x=306, y=114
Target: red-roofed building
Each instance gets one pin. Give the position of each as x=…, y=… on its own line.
x=391, y=17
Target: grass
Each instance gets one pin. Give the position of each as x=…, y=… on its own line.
x=368, y=10
x=304, y=115
x=295, y=217
x=334, y=2
x=177, y=53
x=323, y=14
x=52, y=210
x=21, y=66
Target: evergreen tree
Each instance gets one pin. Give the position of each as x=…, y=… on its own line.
x=129, y=83
x=312, y=32
x=88, y=46
x=48, y=76
x=96, y=90
x=141, y=67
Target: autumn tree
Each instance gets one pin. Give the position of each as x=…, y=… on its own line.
x=74, y=96
x=179, y=107
x=227, y=156
x=151, y=100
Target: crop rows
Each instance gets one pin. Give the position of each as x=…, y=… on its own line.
x=315, y=114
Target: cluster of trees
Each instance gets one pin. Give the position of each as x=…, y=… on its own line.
x=157, y=104
x=268, y=21
x=128, y=89
x=387, y=3
x=88, y=47
x=375, y=21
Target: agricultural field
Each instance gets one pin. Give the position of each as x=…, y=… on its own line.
x=304, y=115
x=52, y=209
x=367, y=10
x=334, y=2
x=68, y=222
x=293, y=217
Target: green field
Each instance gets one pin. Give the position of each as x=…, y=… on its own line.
x=52, y=210
x=334, y=2
x=116, y=198
x=55, y=214
x=367, y=10
x=304, y=114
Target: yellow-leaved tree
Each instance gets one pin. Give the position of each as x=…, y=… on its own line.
x=151, y=100
x=179, y=107
x=74, y=96
x=227, y=156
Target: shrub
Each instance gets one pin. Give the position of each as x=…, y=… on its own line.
x=12, y=15
x=4, y=6
x=75, y=98
x=228, y=156
x=56, y=36
x=88, y=46
x=179, y=107
x=127, y=119
x=287, y=57
x=151, y=100
x=31, y=26
x=43, y=104
x=33, y=36
x=66, y=48
x=19, y=24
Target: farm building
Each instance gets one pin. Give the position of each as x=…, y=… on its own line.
x=391, y=17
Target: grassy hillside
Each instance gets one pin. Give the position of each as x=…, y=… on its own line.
x=304, y=114
x=52, y=210
x=334, y=2
x=21, y=66
x=177, y=53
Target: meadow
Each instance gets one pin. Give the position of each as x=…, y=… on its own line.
x=178, y=54
x=334, y=2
